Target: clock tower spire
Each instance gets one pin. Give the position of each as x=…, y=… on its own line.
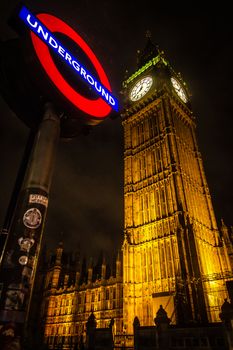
x=172, y=254
x=151, y=50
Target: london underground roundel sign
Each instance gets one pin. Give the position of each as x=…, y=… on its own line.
x=43, y=29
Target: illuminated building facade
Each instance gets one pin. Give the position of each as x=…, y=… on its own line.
x=72, y=292
x=173, y=252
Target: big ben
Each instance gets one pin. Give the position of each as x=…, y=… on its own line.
x=173, y=252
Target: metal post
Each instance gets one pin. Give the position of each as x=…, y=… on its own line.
x=19, y=263
x=15, y=194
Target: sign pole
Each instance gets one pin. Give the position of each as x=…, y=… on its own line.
x=85, y=97
x=15, y=194
x=20, y=257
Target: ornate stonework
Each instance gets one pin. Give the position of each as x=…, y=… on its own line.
x=174, y=256
x=173, y=253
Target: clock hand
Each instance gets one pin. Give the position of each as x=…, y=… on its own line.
x=141, y=87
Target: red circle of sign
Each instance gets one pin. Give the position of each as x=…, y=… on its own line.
x=97, y=108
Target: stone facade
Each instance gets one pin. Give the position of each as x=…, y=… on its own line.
x=72, y=292
x=175, y=261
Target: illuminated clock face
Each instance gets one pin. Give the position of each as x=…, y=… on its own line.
x=179, y=90
x=141, y=88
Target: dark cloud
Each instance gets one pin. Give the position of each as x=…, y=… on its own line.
x=86, y=200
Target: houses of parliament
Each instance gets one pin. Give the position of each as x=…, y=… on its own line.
x=174, y=257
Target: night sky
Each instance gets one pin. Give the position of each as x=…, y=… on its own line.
x=86, y=199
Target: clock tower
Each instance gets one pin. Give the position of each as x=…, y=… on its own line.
x=173, y=254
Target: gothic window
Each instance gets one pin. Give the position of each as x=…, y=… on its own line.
x=153, y=204
x=157, y=204
x=107, y=294
x=151, y=127
x=144, y=266
x=127, y=168
x=153, y=167
x=134, y=171
x=149, y=163
x=169, y=198
x=145, y=165
x=169, y=259
x=150, y=277
x=127, y=137
x=164, y=155
x=158, y=160
x=136, y=210
x=146, y=130
x=140, y=133
x=147, y=208
x=156, y=261
x=134, y=136
x=142, y=167
x=162, y=262
x=163, y=201
x=141, y=210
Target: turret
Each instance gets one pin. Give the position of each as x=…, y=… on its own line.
x=59, y=252
x=103, y=269
x=151, y=50
x=77, y=278
x=57, y=266
x=66, y=280
x=118, y=265
x=77, y=269
x=225, y=234
x=90, y=271
x=228, y=243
